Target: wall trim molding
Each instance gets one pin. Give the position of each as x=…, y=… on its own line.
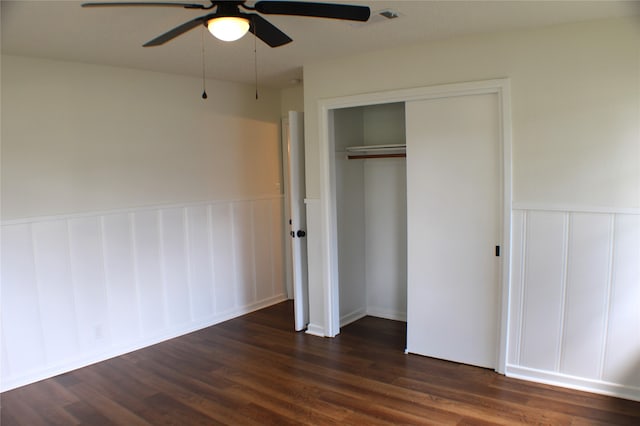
x=126, y=210
x=551, y=207
x=573, y=382
x=69, y=365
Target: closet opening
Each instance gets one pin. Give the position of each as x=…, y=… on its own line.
x=371, y=207
x=456, y=209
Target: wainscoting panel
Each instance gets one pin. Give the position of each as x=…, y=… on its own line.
x=87, y=272
x=221, y=224
x=122, y=290
x=622, y=356
x=243, y=254
x=174, y=262
x=20, y=303
x=148, y=272
x=586, y=295
x=515, y=294
x=278, y=237
x=78, y=289
x=543, y=286
x=575, y=300
x=200, y=267
x=261, y=243
x=53, y=272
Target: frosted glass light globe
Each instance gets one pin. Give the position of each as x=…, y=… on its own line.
x=228, y=28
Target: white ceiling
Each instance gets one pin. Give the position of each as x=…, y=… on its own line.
x=114, y=36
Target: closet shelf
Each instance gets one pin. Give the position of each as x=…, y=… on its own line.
x=376, y=151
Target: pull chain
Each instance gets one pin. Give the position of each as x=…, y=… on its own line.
x=255, y=58
x=204, y=89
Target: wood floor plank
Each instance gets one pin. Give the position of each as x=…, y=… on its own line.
x=255, y=370
x=108, y=407
x=288, y=397
x=88, y=414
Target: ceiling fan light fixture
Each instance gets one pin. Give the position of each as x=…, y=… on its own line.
x=228, y=28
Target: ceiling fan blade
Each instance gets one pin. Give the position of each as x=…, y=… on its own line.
x=155, y=4
x=266, y=31
x=321, y=10
x=180, y=29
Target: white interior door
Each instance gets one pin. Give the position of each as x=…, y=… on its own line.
x=454, y=225
x=297, y=220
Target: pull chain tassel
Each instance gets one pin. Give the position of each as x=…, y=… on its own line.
x=204, y=89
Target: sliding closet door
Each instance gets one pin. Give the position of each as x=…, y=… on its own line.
x=453, y=226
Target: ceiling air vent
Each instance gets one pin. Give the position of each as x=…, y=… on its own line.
x=389, y=14
x=377, y=16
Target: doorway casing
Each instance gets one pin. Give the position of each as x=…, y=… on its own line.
x=328, y=210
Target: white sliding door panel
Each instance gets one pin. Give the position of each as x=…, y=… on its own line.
x=454, y=223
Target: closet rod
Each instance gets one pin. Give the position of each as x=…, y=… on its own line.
x=365, y=156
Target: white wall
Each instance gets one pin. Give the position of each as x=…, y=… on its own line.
x=132, y=211
x=350, y=206
x=78, y=137
x=575, y=99
x=386, y=237
x=575, y=95
x=292, y=99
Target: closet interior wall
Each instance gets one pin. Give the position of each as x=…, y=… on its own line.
x=372, y=217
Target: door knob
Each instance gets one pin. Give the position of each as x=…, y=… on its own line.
x=301, y=233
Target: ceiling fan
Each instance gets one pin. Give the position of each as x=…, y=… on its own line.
x=227, y=22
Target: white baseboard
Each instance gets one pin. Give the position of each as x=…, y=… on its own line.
x=374, y=312
x=74, y=364
x=573, y=382
x=386, y=314
x=315, y=330
x=352, y=317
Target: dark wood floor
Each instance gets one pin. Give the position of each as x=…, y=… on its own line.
x=256, y=370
